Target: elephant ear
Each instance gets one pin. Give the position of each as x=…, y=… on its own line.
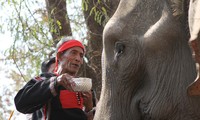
x=194, y=42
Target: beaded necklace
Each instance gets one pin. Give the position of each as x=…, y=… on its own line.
x=78, y=97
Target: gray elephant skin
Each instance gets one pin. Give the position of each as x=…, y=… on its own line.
x=147, y=63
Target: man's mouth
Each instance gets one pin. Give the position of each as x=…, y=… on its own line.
x=76, y=65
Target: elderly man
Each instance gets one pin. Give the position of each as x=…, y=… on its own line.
x=65, y=103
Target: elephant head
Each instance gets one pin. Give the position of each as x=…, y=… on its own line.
x=147, y=63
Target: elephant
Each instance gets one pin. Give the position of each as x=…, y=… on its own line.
x=147, y=63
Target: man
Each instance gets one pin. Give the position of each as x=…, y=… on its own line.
x=65, y=103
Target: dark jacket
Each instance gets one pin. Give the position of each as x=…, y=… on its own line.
x=36, y=96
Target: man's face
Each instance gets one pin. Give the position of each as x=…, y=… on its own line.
x=71, y=60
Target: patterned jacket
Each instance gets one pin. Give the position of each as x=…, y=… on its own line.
x=40, y=97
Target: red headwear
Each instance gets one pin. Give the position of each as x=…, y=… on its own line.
x=66, y=45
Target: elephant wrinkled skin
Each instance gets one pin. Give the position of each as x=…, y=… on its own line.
x=147, y=63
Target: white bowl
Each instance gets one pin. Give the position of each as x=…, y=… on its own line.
x=82, y=84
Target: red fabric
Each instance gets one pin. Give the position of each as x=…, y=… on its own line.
x=45, y=112
x=67, y=45
x=70, y=44
x=38, y=78
x=69, y=100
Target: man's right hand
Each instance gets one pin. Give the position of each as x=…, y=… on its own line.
x=65, y=80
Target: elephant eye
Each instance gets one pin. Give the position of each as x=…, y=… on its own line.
x=119, y=48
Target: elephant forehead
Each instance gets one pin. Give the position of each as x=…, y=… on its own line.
x=133, y=22
x=128, y=4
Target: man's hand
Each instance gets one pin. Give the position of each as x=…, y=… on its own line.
x=87, y=100
x=65, y=80
x=88, y=103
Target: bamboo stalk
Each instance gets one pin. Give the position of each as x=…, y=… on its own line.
x=11, y=114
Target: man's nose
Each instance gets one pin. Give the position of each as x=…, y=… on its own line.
x=79, y=59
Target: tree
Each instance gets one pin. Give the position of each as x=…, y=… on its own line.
x=96, y=14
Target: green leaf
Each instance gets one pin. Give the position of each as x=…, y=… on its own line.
x=92, y=10
x=84, y=5
x=99, y=1
x=104, y=10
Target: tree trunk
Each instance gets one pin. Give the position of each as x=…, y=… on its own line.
x=59, y=23
x=94, y=48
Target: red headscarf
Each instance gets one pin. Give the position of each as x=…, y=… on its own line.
x=66, y=45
